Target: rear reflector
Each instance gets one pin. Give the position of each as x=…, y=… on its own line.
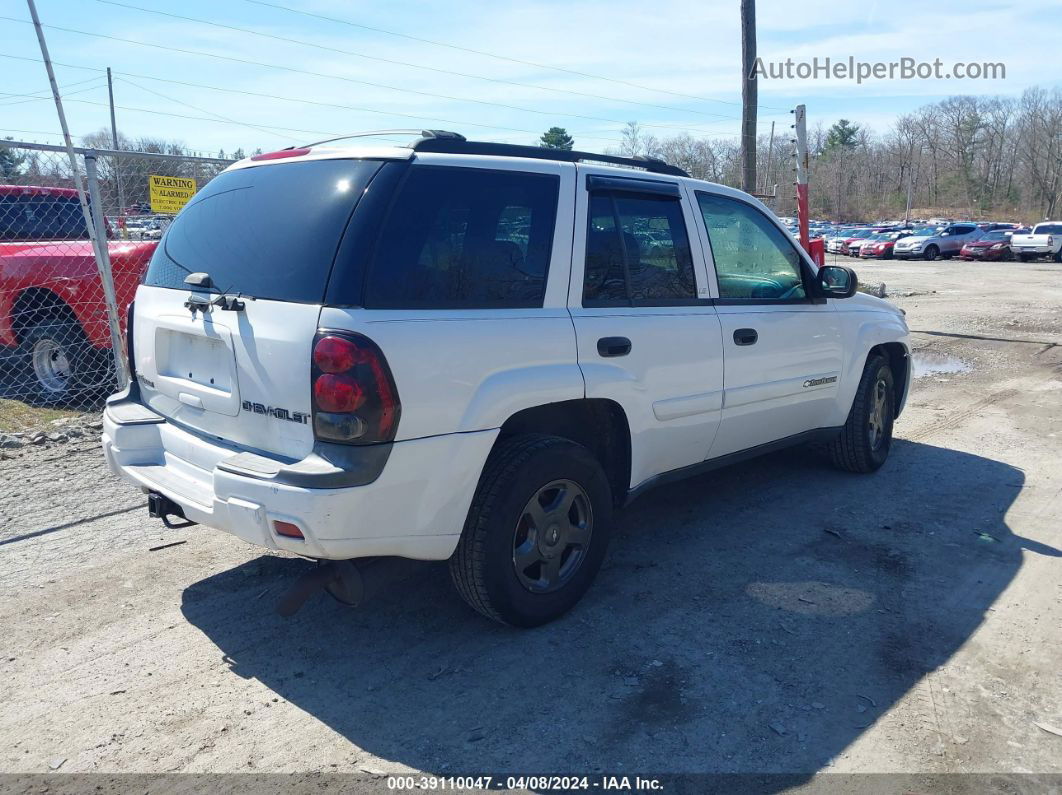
x=281, y=154
x=287, y=529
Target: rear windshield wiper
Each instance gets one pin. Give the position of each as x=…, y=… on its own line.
x=230, y=303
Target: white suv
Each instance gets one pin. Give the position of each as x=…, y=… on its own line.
x=477, y=352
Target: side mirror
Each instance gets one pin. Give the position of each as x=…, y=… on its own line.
x=837, y=281
x=945, y=234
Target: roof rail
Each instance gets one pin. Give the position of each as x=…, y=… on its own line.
x=423, y=135
x=454, y=143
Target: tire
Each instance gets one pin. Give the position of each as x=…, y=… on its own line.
x=932, y=253
x=521, y=471
x=1058, y=256
x=62, y=366
x=1024, y=257
x=863, y=445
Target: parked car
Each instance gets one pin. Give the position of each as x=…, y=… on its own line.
x=52, y=309
x=836, y=243
x=389, y=373
x=144, y=229
x=880, y=246
x=1045, y=240
x=931, y=245
x=855, y=247
x=854, y=237
x=993, y=246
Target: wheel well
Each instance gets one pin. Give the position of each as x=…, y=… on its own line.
x=597, y=424
x=33, y=305
x=897, y=356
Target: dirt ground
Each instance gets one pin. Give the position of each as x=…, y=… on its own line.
x=776, y=617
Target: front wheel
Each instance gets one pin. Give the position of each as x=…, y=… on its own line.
x=536, y=532
x=866, y=438
x=932, y=252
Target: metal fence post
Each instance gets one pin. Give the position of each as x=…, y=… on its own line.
x=103, y=265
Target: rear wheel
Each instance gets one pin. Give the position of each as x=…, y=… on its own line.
x=536, y=532
x=1024, y=257
x=864, y=442
x=1058, y=255
x=62, y=364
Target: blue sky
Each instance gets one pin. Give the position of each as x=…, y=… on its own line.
x=671, y=65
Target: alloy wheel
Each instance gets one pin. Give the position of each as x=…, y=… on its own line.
x=552, y=536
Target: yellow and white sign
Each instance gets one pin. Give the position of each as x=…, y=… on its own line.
x=170, y=194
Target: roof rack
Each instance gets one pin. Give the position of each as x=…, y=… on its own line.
x=455, y=143
x=423, y=135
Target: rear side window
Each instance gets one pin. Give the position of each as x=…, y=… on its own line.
x=41, y=218
x=266, y=232
x=465, y=238
x=637, y=251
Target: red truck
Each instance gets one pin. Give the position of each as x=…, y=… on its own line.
x=53, y=317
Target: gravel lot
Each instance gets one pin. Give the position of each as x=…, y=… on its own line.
x=774, y=617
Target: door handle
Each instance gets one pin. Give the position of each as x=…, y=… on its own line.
x=613, y=346
x=746, y=336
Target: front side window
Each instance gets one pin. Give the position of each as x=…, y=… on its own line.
x=754, y=261
x=465, y=238
x=637, y=251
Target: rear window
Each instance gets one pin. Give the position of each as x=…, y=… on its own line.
x=1048, y=229
x=464, y=238
x=41, y=218
x=266, y=232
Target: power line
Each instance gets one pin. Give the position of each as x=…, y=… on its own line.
x=499, y=57
x=279, y=67
x=304, y=43
x=36, y=132
x=261, y=95
x=202, y=110
x=47, y=92
x=182, y=116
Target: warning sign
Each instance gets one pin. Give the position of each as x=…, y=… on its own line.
x=170, y=194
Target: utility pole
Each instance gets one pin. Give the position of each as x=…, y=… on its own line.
x=749, y=97
x=767, y=168
x=114, y=141
x=801, y=140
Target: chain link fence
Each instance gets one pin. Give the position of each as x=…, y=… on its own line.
x=62, y=300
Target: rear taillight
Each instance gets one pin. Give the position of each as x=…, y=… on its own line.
x=354, y=395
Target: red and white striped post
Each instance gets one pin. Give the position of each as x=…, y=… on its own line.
x=800, y=127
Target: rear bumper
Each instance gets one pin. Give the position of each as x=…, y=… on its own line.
x=415, y=508
x=1038, y=251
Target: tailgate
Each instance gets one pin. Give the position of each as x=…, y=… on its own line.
x=242, y=377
